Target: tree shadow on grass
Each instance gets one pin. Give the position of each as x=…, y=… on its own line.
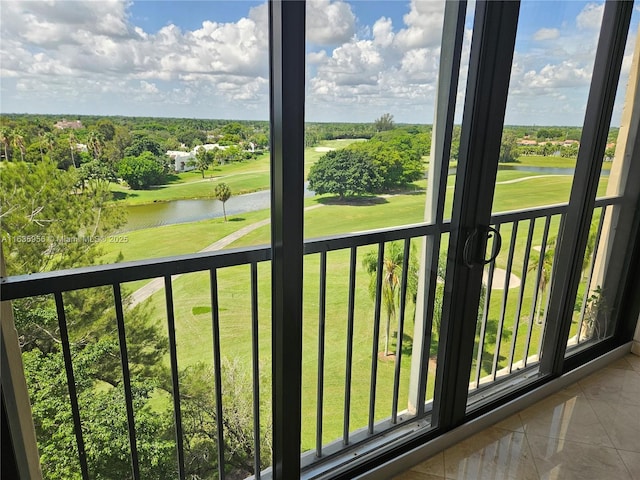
x=407, y=343
x=353, y=201
x=123, y=195
x=237, y=219
x=172, y=178
x=489, y=346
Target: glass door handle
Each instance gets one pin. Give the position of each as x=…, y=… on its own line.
x=469, y=245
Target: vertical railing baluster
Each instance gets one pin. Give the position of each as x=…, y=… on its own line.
x=523, y=281
x=71, y=384
x=403, y=303
x=126, y=381
x=376, y=338
x=592, y=264
x=485, y=319
x=173, y=356
x=321, y=334
x=257, y=466
x=349, y=359
x=548, y=300
x=536, y=286
x=217, y=370
x=505, y=295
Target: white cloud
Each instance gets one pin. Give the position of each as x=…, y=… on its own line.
x=424, y=25
x=329, y=22
x=92, y=47
x=382, y=66
x=354, y=63
x=546, y=34
x=383, y=32
x=565, y=75
x=590, y=17
x=51, y=23
x=317, y=57
x=75, y=56
x=421, y=65
x=148, y=87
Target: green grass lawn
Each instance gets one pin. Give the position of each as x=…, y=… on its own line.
x=555, y=162
x=192, y=293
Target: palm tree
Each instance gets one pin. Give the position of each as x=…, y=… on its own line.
x=49, y=142
x=72, y=146
x=391, y=279
x=545, y=273
x=18, y=142
x=40, y=143
x=5, y=139
x=95, y=143
x=223, y=193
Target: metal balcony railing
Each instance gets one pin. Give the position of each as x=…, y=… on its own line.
x=516, y=343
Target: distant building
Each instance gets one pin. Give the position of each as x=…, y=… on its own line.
x=64, y=124
x=181, y=160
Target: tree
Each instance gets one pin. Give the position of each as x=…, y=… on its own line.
x=106, y=128
x=18, y=142
x=45, y=226
x=385, y=122
x=104, y=419
x=610, y=153
x=115, y=149
x=190, y=137
x=545, y=273
x=49, y=142
x=397, y=154
x=96, y=172
x=508, y=148
x=143, y=143
x=202, y=160
x=73, y=145
x=142, y=171
x=222, y=192
x=5, y=139
x=95, y=142
x=199, y=417
x=391, y=280
x=344, y=172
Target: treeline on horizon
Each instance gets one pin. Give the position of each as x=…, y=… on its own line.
x=317, y=131
x=109, y=139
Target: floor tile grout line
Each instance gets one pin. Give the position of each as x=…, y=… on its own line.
x=533, y=458
x=625, y=465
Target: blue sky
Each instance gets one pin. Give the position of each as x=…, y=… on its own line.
x=209, y=59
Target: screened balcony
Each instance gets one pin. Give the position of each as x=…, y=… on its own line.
x=509, y=307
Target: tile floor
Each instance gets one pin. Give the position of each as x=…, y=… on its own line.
x=588, y=431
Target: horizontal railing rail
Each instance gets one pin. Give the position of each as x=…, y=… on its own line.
x=42, y=283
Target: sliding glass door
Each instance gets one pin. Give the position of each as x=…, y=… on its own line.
x=530, y=246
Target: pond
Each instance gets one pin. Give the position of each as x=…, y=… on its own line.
x=183, y=211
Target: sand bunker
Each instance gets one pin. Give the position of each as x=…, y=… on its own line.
x=499, y=279
x=324, y=149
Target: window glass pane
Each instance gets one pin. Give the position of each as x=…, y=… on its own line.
x=603, y=264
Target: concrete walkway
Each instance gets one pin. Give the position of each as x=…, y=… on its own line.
x=518, y=180
x=157, y=284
